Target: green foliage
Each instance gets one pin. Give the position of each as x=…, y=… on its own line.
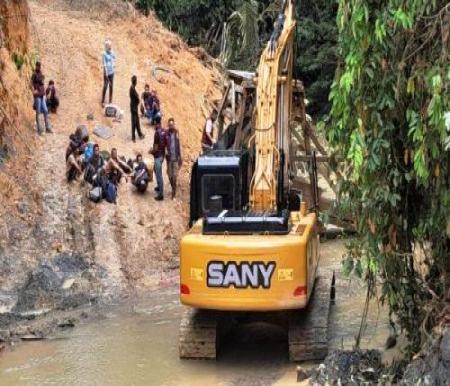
x=391, y=129
x=316, y=51
x=237, y=30
x=198, y=21
x=241, y=43
x=18, y=59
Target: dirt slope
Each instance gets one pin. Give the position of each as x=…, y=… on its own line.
x=103, y=249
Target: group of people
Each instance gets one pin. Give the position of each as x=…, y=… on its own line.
x=166, y=146
x=83, y=158
x=104, y=172
x=45, y=99
x=166, y=142
x=147, y=104
x=149, y=108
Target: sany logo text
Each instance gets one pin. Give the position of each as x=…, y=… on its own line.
x=243, y=275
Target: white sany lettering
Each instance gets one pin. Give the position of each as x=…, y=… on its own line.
x=215, y=274
x=249, y=275
x=267, y=272
x=232, y=276
x=243, y=275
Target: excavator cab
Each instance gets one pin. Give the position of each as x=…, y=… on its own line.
x=219, y=181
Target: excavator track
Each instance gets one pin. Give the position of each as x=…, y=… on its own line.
x=201, y=330
x=308, y=328
x=198, y=334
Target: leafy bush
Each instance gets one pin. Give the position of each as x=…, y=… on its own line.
x=18, y=59
x=391, y=129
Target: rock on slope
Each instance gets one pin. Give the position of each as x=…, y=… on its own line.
x=57, y=249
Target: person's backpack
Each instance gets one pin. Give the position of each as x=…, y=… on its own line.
x=141, y=183
x=101, y=180
x=111, y=193
x=113, y=111
x=89, y=151
x=95, y=194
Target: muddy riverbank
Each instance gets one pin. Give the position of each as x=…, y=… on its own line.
x=136, y=342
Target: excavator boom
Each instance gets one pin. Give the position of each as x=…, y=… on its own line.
x=273, y=106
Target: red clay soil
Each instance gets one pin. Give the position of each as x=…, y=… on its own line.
x=135, y=242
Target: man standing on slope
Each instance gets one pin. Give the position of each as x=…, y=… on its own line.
x=134, y=108
x=40, y=104
x=109, y=63
x=158, y=152
x=173, y=155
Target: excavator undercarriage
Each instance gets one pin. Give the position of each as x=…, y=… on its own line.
x=203, y=331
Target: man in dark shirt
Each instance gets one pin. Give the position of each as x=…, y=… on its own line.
x=141, y=174
x=52, y=99
x=93, y=166
x=134, y=108
x=158, y=151
x=173, y=155
x=40, y=104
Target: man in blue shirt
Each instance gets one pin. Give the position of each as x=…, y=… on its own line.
x=109, y=62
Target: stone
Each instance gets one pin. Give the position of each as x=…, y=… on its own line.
x=4, y=335
x=68, y=284
x=67, y=323
x=31, y=337
x=21, y=330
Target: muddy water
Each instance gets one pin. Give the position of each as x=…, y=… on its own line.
x=136, y=344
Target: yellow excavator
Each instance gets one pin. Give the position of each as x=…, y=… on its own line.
x=252, y=251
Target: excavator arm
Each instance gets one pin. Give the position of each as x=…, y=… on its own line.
x=272, y=113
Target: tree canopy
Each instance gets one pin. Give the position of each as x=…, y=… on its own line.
x=391, y=132
x=247, y=24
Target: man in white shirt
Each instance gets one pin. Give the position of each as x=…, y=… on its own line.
x=208, y=135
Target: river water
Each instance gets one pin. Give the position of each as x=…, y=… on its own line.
x=137, y=344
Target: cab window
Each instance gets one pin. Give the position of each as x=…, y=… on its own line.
x=218, y=185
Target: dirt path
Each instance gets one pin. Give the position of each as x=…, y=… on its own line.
x=137, y=239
